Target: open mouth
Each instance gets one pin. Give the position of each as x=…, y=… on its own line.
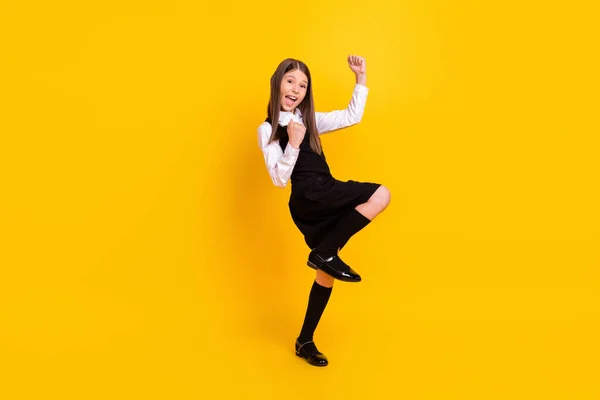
x=290, y=100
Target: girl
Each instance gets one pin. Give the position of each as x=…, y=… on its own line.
x=327, y=211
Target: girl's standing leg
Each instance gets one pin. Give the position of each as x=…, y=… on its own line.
x=317, y=301
x=324, y=280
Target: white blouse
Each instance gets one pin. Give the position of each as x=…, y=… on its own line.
x=280, y=164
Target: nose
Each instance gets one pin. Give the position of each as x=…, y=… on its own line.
x=295, y=89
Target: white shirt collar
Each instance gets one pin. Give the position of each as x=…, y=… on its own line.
x=286, y=116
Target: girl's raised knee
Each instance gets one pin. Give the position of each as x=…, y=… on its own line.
x=385, y=196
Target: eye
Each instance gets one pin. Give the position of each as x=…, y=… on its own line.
x=303, y=86
x=289, y=81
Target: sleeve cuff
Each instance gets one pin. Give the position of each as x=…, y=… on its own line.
x=358, y=88
x=291, y=151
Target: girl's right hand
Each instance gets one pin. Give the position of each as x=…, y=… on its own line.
x=296, y=133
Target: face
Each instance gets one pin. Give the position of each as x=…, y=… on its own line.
x=293, y=89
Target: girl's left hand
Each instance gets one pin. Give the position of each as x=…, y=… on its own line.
x=357, y=64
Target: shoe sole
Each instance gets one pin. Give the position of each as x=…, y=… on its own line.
x=314, y=365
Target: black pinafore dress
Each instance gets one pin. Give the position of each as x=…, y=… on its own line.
x=317, y=199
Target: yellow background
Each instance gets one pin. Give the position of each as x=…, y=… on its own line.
x=146, y=254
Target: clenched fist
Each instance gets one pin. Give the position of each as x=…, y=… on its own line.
x=358, y=65
x=296, y=133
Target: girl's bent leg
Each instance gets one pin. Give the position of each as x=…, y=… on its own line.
x=376, y=204
x=323, y=256
x=365, y=213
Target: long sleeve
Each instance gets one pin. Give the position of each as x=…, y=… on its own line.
x=279, y=164
x=338, y=119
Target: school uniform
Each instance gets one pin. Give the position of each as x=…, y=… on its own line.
x=317, y=200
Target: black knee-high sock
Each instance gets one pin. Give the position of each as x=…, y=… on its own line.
x=317, y=301
x=348, y=226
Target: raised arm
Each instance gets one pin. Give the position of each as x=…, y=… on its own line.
x=338, y=119
x=280, y=164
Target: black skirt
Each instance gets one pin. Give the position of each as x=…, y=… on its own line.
x=319, y=202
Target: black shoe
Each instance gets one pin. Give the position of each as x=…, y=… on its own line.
x=333, y=266
x=310, y=264
x=310, y=353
